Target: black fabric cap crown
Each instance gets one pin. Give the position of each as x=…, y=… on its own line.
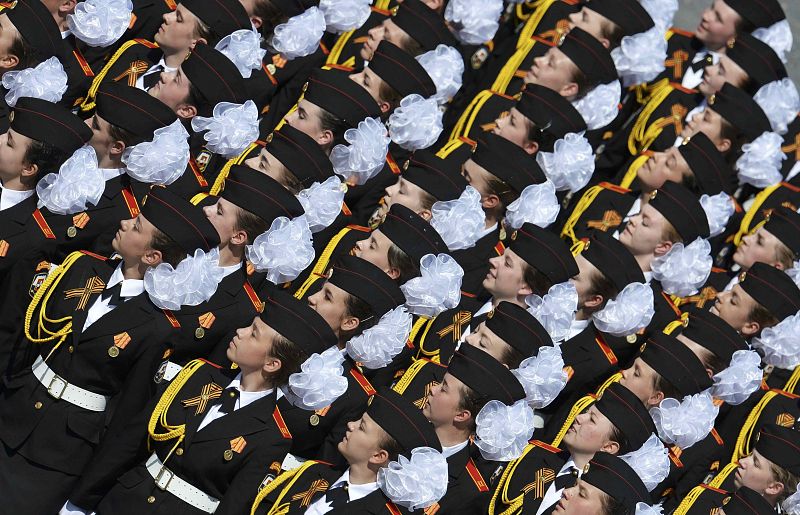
x=746, y=501
x=682, y=209
x=549, y=111
x=757, y=59
x=616, y=478
x=403, y=420
x=298, y=323
x=37, y=27
x=628, y=14
x=294, y=7
x=507, y=161
x=367, y=282
x=591, y=57
x=260, y=194
x=613, y=260
x=45, y=121
x=484, y=375
x=627, y=413
x=133, y=109
x=181, y=220
x=712, y=171
x=301, y=155
x=781, y=446
x=440, y=177
x=517, y=327
x=714, y=333
x=761, y=13
x=401, y=71
x=544, y=251
x=214, y=76
x=772, y=288
x=423, y=24
x=334, y=92
x=740, y=110
x=412, y=233
x=223, y=17
x=784, y=224
x=676, y=363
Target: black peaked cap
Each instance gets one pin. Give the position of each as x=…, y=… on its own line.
x=740, y=110
x=401, y=71
x=712, y=171
x=517, y=327
x=544, y=251
x=181, y=220
x=714, y=333
x=781, y=446
x=423, y=24
x=133, y=109
x=37, y=27
x=784, y=224
x=772, y=288
x=617, y=479
x=682, y=209
x=223, y=17
x=51, y=123
x=507, y=161
x=631, y=17
x=369, y=283
x=761, y=13
x=484, y=375
x=411, y=233
x=334, y=92
x=591, y=57
x=300, y=154
x=627, y=413
x=260, y=194
x=440, y=177
x=613, y=260
x=676, y=363
x=549, y=111
x=298, y=323
x=404, y=421
x=215, y=77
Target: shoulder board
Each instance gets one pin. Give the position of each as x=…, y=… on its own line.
x=92, y=254
x=43, y=226
x=207, y=362
x=173, y=321
x=393, y=509
x=432, y=509
x=392, y=164
x=500, y=248
x=503, y=95
x=278, y=418
x=790, y=186
x=385, y=12
x=607, y=352
x=476, y=476
x=718, y=270
x=680, y=88
x=680, y=32
x=346, y=210
x=717, y=437
x=614, y=188
x=545, y=446
x=363, y=382
x=148, y=44
x=358, y=228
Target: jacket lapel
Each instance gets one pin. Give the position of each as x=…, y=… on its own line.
x=251, y=419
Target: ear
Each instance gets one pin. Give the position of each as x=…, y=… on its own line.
x=524, y=290
x=531, y=147
x=655, y=399
x=490, y=201
x=186, y=111
x=117, y=148
x=326, y=138
x=610, y=447
x=710, y=372
x=379, y=457
x=662, y=248
x=393, y=272
x=9, y=61
x=426, y=214
x=463, y=416
x=239, y=238
x=152, y=258
x=30, y=170
x=750, y=329
x=594, y=301
x=349, y=324
x=778, y=265
x=570, y=90
x=256, y=21
x=724, y=145
x=436, y=5
x=774, y=488
x=605, y=42
x=196, y=41
x=271, y=365
x=67, y=6
x=384, y=106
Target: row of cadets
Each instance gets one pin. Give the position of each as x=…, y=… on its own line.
x=212, y=436
x=91, y=339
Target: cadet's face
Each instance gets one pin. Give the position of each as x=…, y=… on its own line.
x=172, y=89
x=640, y=380
x=444, y=401
x=178, y=30
x=404, y=193
x=589, y=432
x=716, y=75
x=583, y=281
x=375, y=249
x=760, y=246
x=331, y=303
x=707, y=121
x=506, y=275
x=13, y=147
x=306, y=118
x=662, y=167
x=553, y=70
x=101, y=137
x=581, y=499
x=362, y=440
x=267, y=164
x=755, y=472
x=476, y=176
x=251, y=345
x=734, y=306
x=223, y=216
x=644, y=231
x=514, y=127
x=133, y=238
x=588, y=20
x=387, y=30
x=8, y=34
x=717, y=25
x=370, y=81
x=484, y=339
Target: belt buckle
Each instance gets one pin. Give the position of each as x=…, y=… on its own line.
x=163, y=478
x=57, y=386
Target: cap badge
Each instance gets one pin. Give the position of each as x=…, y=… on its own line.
x=742, y=276
x=269, y=137
x=712, y=99
x=653, y=194
x=490, y=314
x=726, y=500
x=513, y=235
x=731, y=43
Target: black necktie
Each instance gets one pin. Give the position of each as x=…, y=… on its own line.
x=567, y=479
x=113, y=294
x=153, y=77
x=337, y=496
x=229, y=398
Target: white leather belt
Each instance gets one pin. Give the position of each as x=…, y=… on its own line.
x=59, y=388
x=166, y=480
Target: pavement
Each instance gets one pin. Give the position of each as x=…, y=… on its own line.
x=688, y=16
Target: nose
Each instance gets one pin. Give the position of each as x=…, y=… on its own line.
x=208, y=210
x=123, y=224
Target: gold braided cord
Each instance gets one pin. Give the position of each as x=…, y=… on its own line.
x=630, y=175
x=532, y=23
x=336, y=51
x=467, y=118
x=219, y=182
x=755, y=207
x=159, y=415
x=583, y=204
x=581, y=405
x=89, y=102
x=508, y=70
x=322, y=263
x=689, y=500
x=502, y=487
x=791, y=384
x=409, y=375
x=723, y=474
x=277, y=509
x=435, y=355
x=742, y=447
x=642, y=134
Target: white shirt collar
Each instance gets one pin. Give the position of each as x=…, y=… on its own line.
x=648, y=276
x=166, y=68
x=130, y=287
x=488, y=231
x=484, y=309
x=453, y=449
x=576, y=327
x=111, y=173
x=246, y=398
x=10, y=198
x=228, y=270
x=65, y=33
x=355, y=492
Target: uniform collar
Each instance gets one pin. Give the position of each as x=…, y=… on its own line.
x=130, y=287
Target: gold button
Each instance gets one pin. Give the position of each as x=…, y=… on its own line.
x=72, y=231
x=151, y=500
x=179, y=451
x=199, y=332
x=38, y=405
x=71, y=349
x=631, y=338
x=228, y=455
x=314, y=420
x=113, y=351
